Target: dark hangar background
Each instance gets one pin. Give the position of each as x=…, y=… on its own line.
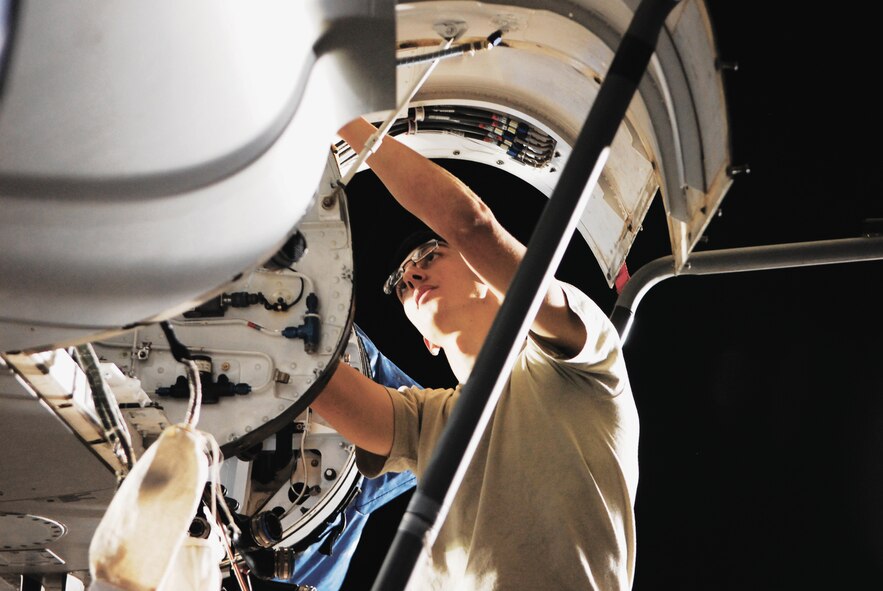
x=759, y=393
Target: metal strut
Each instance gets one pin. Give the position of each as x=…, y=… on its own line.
x=492, y=41
x=734, y=260
x=453, y=453
x=372, y=144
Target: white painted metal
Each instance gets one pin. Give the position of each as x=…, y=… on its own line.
x=48, y=471
x=49, y=388
x=548, y=71
x=149, y=155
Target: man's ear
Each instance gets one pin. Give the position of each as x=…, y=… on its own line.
x=433, y=348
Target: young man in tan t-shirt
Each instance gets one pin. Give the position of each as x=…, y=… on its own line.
x=565, y=424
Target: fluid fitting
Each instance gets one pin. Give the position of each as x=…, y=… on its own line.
x=274, y=565
x=211, y=390
x=310, y=330
x=260, y=531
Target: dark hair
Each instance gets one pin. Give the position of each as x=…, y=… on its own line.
x=408, y=244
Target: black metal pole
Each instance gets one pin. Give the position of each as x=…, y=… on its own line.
x=735, y=260
x=453, y=452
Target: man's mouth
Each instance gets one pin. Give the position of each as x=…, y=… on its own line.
x=421, y=294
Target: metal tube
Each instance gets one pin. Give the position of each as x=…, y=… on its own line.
x=372, y=144
x=492, y=41
x=453, y=452
x=736, y=260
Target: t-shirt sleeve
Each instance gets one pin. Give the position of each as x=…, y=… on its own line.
x=600, y=355
x=418, y=416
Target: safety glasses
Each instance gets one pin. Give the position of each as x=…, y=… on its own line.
x=420, y=253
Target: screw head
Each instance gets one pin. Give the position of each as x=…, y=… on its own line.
x=738, y=169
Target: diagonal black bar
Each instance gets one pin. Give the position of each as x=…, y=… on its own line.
x=453, y=452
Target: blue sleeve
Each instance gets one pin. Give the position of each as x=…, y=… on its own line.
x=327, y=573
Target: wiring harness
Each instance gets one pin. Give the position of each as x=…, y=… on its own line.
x=520, y=140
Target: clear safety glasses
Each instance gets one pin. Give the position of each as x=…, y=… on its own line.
x=420, y=253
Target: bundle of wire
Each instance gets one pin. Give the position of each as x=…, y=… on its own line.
x=520, y=140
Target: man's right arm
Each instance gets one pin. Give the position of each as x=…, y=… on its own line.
x=450, y=208
x=358, y=408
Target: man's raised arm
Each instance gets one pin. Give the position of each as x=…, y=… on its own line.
x=454, y=211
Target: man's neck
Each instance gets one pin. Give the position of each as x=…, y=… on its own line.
x=463, y=347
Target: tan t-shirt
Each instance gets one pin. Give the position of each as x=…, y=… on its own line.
x=548, y=499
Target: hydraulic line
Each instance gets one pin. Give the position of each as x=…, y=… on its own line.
x=734, y=260
x=182, y=355
x=492, y=41
x=373, y=142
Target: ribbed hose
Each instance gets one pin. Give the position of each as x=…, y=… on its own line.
x=115, y=429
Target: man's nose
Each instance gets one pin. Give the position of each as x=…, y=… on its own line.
x=414, y=276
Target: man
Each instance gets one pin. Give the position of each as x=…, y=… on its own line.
x=547, y=501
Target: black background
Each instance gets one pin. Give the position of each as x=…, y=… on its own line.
x=759, y=393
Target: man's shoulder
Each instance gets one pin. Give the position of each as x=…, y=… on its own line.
x=425, y=398
x=600, y=353
x=584, y=306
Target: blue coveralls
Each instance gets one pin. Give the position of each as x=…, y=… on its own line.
x=327, y=573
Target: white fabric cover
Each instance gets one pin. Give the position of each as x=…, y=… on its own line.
x=148, y=519
x=195, y=567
